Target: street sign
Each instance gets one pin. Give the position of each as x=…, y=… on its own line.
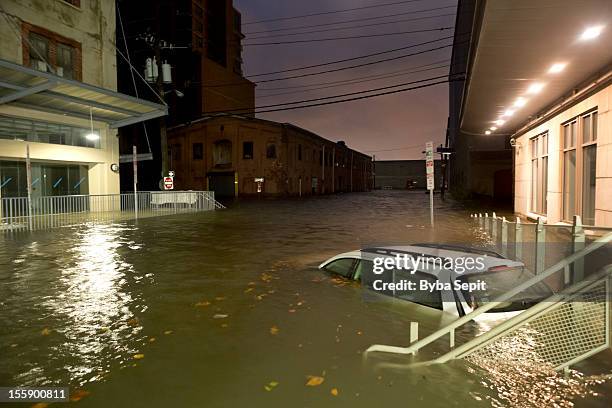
x=126, y=158
x=429, y=171
x=171, y=173
x=168, y=183
x=429, y=165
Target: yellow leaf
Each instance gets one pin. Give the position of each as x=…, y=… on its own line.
x=334, y=392
x=220, y=298
x=203, y=303
x=291, y=310
x=78, y=395
x=152, y=339
x=168, y=332
x=314, y=380
x=270, y=386
x=248, y=290
x=45, y=332
x=274, y=330
x=138, y=356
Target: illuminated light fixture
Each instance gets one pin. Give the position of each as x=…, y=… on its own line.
x=520, y=101
x=508, y=112
x=488, y=132
x=500, y=122
x=535, y=88
x=556, y=68
x=591, y=33
x=92, y=136
x=493, y=128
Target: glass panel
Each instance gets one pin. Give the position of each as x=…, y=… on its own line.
x=588, y=184
x=544, y=144
x=47, y=179
x=13, y=128
x=343, y=266
x=64, y=60
x=573, y=126
x=586, y=129
x=534, y=148
x=39, y=52
x=534, y=186
x=569, y=184
x=544, y=186
x=422, y=297
x=594, y=132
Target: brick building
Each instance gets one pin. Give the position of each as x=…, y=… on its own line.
x=235, y=155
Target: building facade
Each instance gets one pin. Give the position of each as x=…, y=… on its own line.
x=405, y=174
x=236, y=156
x=58, y=97
x=201, y=40
x=549, y=101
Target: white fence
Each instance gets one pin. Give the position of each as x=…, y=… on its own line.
x=17, y=213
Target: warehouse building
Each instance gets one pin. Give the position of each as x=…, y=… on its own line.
x=239, y=155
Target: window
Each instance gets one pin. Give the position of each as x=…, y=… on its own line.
x=579, y=164
x=247, y=150
x=299, y=152
x=216, y=32
x=44, y=47
x=271, y=151
x=222, y=153
x=589, y=164
x=539, y=173
x=422, y=297
x=197, y=151
x=13, y=128
x=342, y=266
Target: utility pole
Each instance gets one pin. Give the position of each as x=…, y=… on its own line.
x=163, y=138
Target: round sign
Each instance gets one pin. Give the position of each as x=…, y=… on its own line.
x=168, y=183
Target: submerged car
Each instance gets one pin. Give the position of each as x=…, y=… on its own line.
x=440, y=279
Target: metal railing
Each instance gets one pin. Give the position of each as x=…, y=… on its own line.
x=17, y=213
x=450, y=329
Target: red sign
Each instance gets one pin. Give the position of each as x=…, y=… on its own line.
x=168, y=183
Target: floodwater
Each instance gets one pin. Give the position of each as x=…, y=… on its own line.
x=228, y=309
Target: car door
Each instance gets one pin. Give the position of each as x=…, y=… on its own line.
x=342, y=266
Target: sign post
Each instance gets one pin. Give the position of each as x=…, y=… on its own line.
x=429, y=171
x=29, y=181
x=135, y=167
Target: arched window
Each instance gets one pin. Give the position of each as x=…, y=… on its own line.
x=222, y=153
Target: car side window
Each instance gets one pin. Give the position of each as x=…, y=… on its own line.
x=364, y=268
x=422, y=297
x=342, y=266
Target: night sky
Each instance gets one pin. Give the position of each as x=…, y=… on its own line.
x=383, y=126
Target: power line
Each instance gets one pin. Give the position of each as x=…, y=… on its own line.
x=350, y=59
x=396, y=148
x=345, y=100
x=346, y=83
x=349, y=37
x=336, y=96
x=349, y=21
x=322, y=13
x=329, y=70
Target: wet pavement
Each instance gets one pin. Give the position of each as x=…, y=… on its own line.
x=228, y=309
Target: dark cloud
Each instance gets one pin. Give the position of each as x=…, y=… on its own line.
x=387, y=122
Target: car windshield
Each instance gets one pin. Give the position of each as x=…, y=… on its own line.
x=500, y=282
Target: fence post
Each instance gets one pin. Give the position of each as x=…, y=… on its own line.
x=540, y=249
x=504, y=237
x=486, y=222
x=518, y=240
x=414, y=332
x=578, y=241
x=494, y=228
x=480, y=219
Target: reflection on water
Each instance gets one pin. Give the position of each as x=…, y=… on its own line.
x=210, y=309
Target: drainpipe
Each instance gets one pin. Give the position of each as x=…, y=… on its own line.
x=323, y=171
x=333, y=170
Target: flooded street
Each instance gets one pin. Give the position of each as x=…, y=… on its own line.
x=228, y=309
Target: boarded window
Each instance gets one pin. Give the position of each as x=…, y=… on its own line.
x=198, y=151
x=247, y=150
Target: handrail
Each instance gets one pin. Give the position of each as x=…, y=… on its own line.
x=413, y=348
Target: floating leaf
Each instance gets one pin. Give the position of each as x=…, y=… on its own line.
x=220, y=298
x=270, y=386
x=224, y=325
x=291, y=310
x=274, y=330
x=359, y=333
x=168, y=332
x=203, y=303
x=314, y=381
x=220, y=316
x=138, y=356
x=133, y=322
x=334, y=392
x=152, y=339
x=78, y=395
x=45, y=332
x=248, y=290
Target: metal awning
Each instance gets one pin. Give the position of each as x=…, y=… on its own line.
x=32, y=89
